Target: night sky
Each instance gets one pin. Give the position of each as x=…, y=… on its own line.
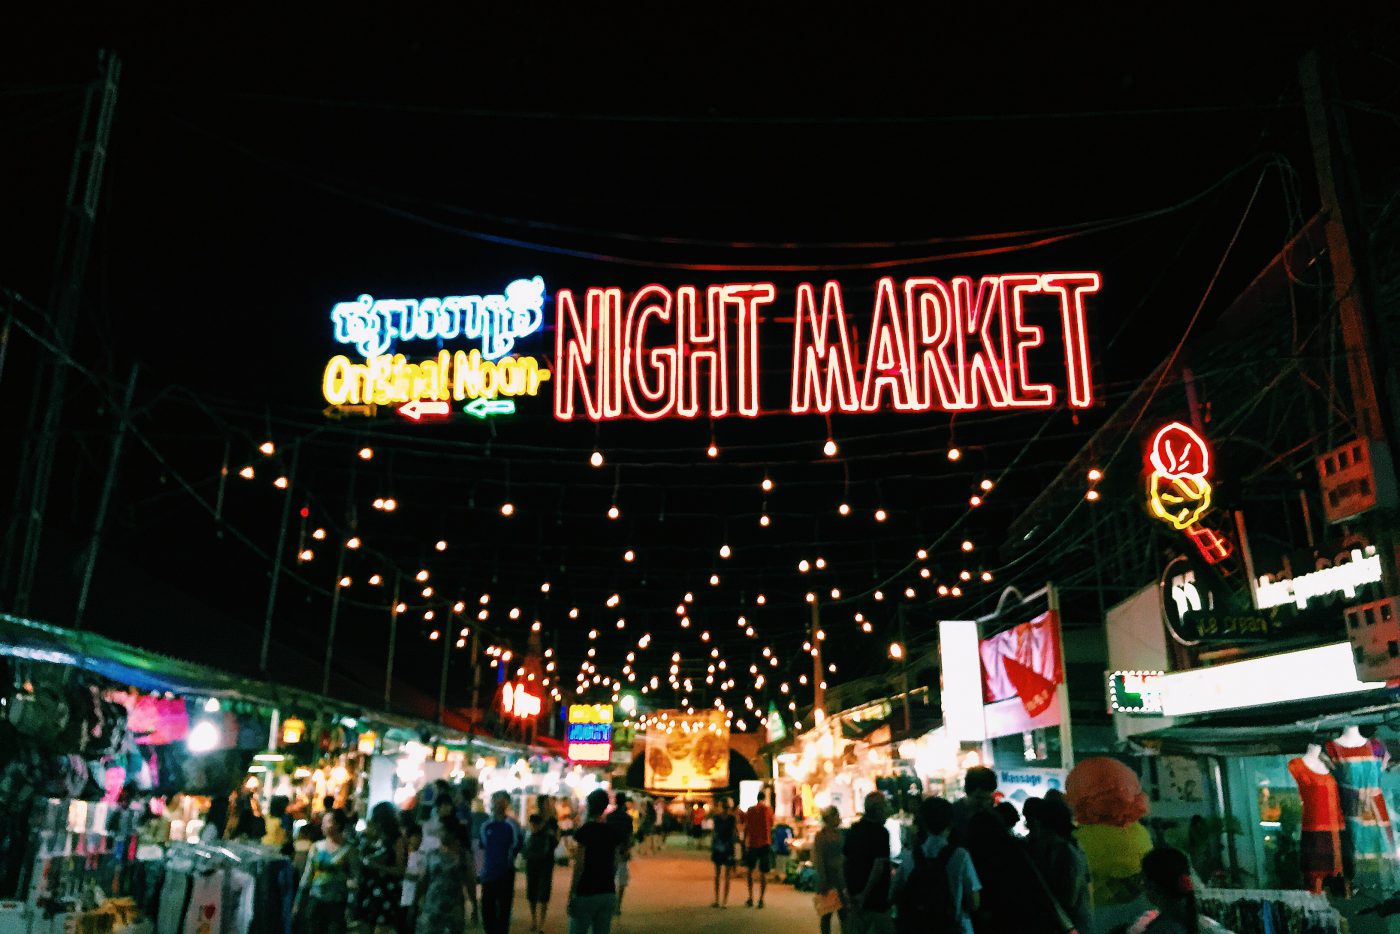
x=265, y=168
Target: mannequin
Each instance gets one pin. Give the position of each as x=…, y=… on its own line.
x=1321, y=848
x=1357, y=763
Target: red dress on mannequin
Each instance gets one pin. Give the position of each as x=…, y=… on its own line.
x=1320, y=850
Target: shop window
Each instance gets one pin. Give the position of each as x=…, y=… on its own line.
x=1370, y=616
x=1357, y=653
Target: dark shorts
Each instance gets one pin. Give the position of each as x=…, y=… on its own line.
x=722, y=857
x=759, y=857
x=539, y=880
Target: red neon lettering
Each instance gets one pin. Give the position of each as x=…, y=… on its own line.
x=985, y=366
x=887, y=363
x=1024, y=338
x=712, y=335
x=1072, y=287
x=932, y=329
x=578, y=346
x=821, y=368
x=654, y=301
x=748, y=297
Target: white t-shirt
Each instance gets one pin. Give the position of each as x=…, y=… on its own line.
x=412, y=871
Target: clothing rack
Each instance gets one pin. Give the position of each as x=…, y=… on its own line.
x=1247, y=911
x=238, y=888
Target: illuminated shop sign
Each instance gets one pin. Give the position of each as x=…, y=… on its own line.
x=518, y=701
x=590, y=733
x=930, y=345
x=1178, y=487
x=1135, y=691
x=1361, y=568
x=487, y=374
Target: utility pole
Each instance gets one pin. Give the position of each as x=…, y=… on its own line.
x=26, y=529
x=102, y=504
x=393, y=642
x=1362, y=338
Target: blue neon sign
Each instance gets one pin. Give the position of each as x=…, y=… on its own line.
x=497, y=321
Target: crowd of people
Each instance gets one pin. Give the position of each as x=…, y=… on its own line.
x=967, y=872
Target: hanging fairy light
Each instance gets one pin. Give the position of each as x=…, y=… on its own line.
x=829, y=449
x=881, y=515
x=345, y=582
x=712, y=451
x=764, y=521
x=766, y=485
x=427, y=592
x=441, y=545
x=366, y=454
x=714, y=580
x=596, y=459
x=614, y=512
x=804, y=566
x=967, y=545
x=954, y=453
x=375, y=580
x=421, y=576
x=724, y=551
x=352, y=542
x=1092, y=496
x=319, y=534
x=390, y=504
x=306, y=554
x=844, y=509
x=1095, y=475
x=986, y=486
x=268, y=448
x=974, y=501
x=986, y=577
x=965, y=575
x=507, y=509
x=281, y=483
x=820, y=563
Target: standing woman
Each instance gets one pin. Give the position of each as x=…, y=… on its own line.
x=722, y=850
x=830, y=864
x=447, y=882
x=539, y=859
x=383, y=860
x=325, y=886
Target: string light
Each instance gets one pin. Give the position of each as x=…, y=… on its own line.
x=306, y=554
x=345, y=582
x=596, y=458
x=390, y=504
x=507, y=509
x=1095, y=475
x=986, y=486
x=957, y=591
x=714, y=580
x=544, y=587
x=896, y=650
x=909, y=593
x=975, y=501
x=925, y=573
x=485, y=599
x=954, y=454
x=280, y=483
x=866, y=627
x=319, y=534
x=820, y=563
x=457, y=607
x=434, y=636
x=965, y=575
x=829, y=449
x=835, y=593
x=712, y=451
x=879, y=595
x=986, y=577
x=421, y=576
x=943, y=590
x=353, y=542
x=427, y=592
x=1092, y=495
x=804, y=566
x=844, y=509
x=614, y=512
x=246, y=473
x=573, y=612
x=428, y=615
x=267, y=448
x=366, y=454
x=881, y=515
x=764, y=521
x=515, y=612
x=375, y=580
x=724, y=551
x=921, y=554
x=766, y=485
x=967, y=545
x=761, y=599
x=441, y=545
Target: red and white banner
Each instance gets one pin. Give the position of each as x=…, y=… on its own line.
x=1024, y=661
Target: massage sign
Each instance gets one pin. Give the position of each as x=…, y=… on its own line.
x=923, y=344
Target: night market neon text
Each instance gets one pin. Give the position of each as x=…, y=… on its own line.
x=931, y=345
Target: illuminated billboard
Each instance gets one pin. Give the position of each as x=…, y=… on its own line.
x=590, y=733
x=687, y=752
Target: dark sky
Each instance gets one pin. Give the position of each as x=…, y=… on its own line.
x=264, y=167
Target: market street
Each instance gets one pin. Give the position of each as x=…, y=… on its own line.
x=672, y=891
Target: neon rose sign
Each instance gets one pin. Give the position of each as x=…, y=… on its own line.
x=932, y=345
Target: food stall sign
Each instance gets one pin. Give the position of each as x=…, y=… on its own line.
x=590, y=733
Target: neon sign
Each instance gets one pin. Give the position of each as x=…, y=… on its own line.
x=931, y=346
x=1343, y=578
x=1179, y=490
x=487, y=377
x=590, y=733
x=517, y=701
x=1135, y=691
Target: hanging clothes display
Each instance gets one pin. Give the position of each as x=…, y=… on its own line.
x=1322, y=847
x=1358, y=773
x=1270, y=911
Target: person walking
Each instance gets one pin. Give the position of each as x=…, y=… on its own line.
x=1058, y=859
x=620, y=819
x=383, y=861
x=501, y=839
x=447, y=882
x=830, y=865
x=592, y=900
x=1170, y=887
x=758, y=845
x=539, y=860
x=936, y=887
x=325, y=886
x=867, y=855
x=722, y=841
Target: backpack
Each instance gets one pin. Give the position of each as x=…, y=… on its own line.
x=925, y=904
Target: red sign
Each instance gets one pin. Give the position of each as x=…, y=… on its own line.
x=1178, y=487
x=518, y=701
x=1024, y=661
x=931, y=345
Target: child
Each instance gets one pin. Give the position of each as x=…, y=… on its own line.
x=413, y=837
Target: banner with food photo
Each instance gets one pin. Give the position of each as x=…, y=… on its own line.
x=687, y=752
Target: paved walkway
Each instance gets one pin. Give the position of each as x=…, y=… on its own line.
x=670, y=893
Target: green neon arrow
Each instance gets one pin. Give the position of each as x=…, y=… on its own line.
x=485, y=408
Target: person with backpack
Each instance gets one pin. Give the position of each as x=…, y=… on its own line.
x=936, y=886
x=539, y=860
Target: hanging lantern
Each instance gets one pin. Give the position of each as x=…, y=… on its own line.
x=293, y=730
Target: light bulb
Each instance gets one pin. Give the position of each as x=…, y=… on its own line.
x=764, y=521
x=896, y=650
x=767, y=485
x=427, y=592
x=345, y=582
x=844, y=509
x=366, y=454
x=712, y=451
x=267, y=448
x=573, y=612
x=921, y=554
x=967, y=545
x=1092, y=495
x=613, y=512
x=319, y=534
x=246, y=473
x=629, y=555
x=724, y=551
x=507, y=509
x=280, y=483
x=457, y=607
x=804, y=566
x=881, y=515
x=1095, y=474
x=956, y=591
x=811, y=597
x=965, y=575
x=829, y=449
x=714, y=580
x=836, y=593
x=820, y=563
x=379, y=503
x=375, y=580
x=353, y=542
x=954, y=454
x=986, y=577
x=943, y=590
x=433, y=635
x=975, y=501
x=421, y=576
x=441, y=545
x=986, y=485
x=596, y=458
x=761, y=599
x=428, y=615
x=306, y=554
x=515, y=612
x=544, y=587
x=390, y=504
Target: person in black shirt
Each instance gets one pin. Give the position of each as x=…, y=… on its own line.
x=722, y=841
x=867, y=854
x=592, y=898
